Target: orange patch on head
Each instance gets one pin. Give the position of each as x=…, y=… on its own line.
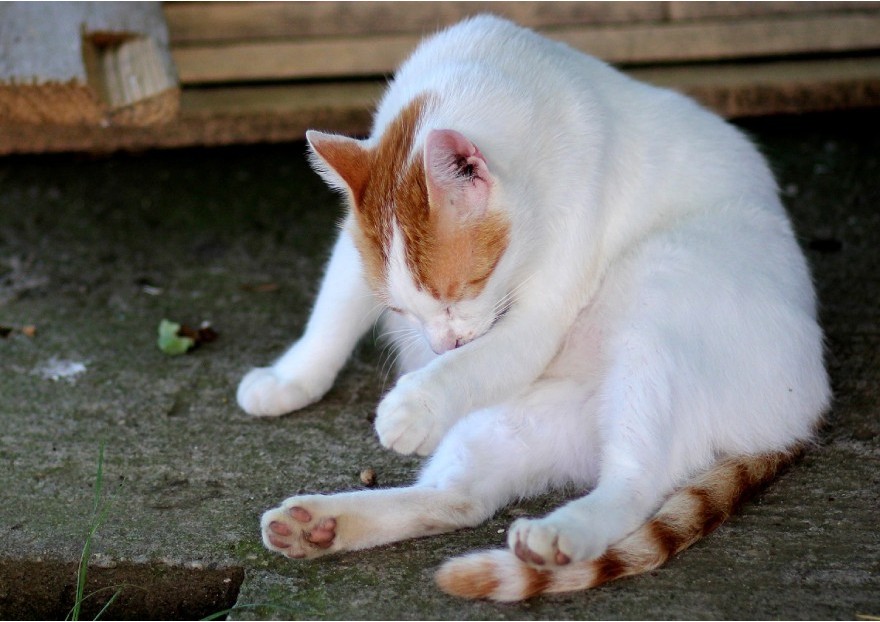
x=458, y=258
x=391, y=182
x=450, y=258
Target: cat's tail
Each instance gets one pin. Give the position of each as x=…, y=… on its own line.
x=689, y=514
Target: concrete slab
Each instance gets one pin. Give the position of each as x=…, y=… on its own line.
x=95, y=252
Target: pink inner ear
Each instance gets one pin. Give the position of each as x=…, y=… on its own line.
x=457, y=173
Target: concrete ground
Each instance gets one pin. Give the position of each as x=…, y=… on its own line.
x=95, y=252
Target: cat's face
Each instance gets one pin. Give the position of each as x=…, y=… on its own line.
x=449, y=309
x=426, y=225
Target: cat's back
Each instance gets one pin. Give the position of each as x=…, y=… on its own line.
x=503, y=79
x=488, y=39
x=605, y=134
x=491, y=66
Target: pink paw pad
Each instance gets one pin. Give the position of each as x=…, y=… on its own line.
x=527, y=555
x=323, y=533
x=280, y=528
x=299, y=514
x=530, y=557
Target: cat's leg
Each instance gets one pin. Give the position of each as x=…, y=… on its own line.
x=344, y=309
x=425, y=403
x=640, y=466
x=315, y=525
x=488, y=459
x=665, y=368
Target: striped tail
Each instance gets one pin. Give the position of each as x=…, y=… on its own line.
x=689, y=514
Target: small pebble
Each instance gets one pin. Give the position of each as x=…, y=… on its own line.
x=368, y=477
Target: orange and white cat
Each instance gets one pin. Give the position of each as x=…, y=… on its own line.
x=590, y=281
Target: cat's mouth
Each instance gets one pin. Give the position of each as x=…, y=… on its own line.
x=448, y=342
x=454, y=341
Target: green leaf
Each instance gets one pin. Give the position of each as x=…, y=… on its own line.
x=170, y=341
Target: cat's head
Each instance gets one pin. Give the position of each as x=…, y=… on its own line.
x=426, y=223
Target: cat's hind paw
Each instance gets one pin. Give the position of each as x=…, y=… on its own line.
x=297, y=532
x=263, y=393
x=543, y=542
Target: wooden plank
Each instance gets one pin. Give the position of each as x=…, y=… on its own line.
x=238, y=115
x=679, y=10
x=214, y=117
x=323, y=99
x=623, y=44
x=195, y=22
x=90, y=62
x=709, y=41
x=333, y=58
x=778, y=87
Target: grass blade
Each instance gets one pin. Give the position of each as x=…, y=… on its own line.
x=109, y=602
x=97, y=517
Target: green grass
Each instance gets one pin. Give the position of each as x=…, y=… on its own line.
x=100, y=509
x=99, y=514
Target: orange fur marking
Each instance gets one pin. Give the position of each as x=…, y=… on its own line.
x=459, y=258
x=452, y=260
x=478, y=582
x=688, y=515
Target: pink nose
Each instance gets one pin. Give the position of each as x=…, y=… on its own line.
x=447, y=342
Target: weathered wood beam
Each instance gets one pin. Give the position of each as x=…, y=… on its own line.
x=94, y=63
x=627, y=44
x=278, y=113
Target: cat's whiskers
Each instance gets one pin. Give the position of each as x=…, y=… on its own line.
x=401, y=346
x=505, y=302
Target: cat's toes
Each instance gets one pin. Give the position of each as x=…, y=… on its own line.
x=540, y=543
x=297, y=532
x=408, y=422
x=404, y=430
x=263, y=393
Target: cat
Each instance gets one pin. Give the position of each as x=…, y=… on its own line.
x=589, y=281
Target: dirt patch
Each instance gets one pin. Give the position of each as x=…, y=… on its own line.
x=31, y=590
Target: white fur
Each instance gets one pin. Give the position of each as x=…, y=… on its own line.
x=660, y=311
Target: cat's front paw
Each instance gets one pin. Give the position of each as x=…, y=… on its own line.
x=552, y=541
x=411, y=418
x=299, y=529
x=263, y=393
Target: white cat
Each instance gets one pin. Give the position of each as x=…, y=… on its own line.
x=589, y=281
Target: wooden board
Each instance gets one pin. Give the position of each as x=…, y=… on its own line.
x=267, y=71
x=93, y=63
x=626, y=44
x=276, y=113
x=193, y=23
x=681, y=10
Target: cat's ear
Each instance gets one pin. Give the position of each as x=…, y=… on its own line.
x=342, y=161
x=456, y=173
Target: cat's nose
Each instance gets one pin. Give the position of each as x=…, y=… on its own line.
x=445, y=342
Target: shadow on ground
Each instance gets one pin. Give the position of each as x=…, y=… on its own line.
x=95, y=252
